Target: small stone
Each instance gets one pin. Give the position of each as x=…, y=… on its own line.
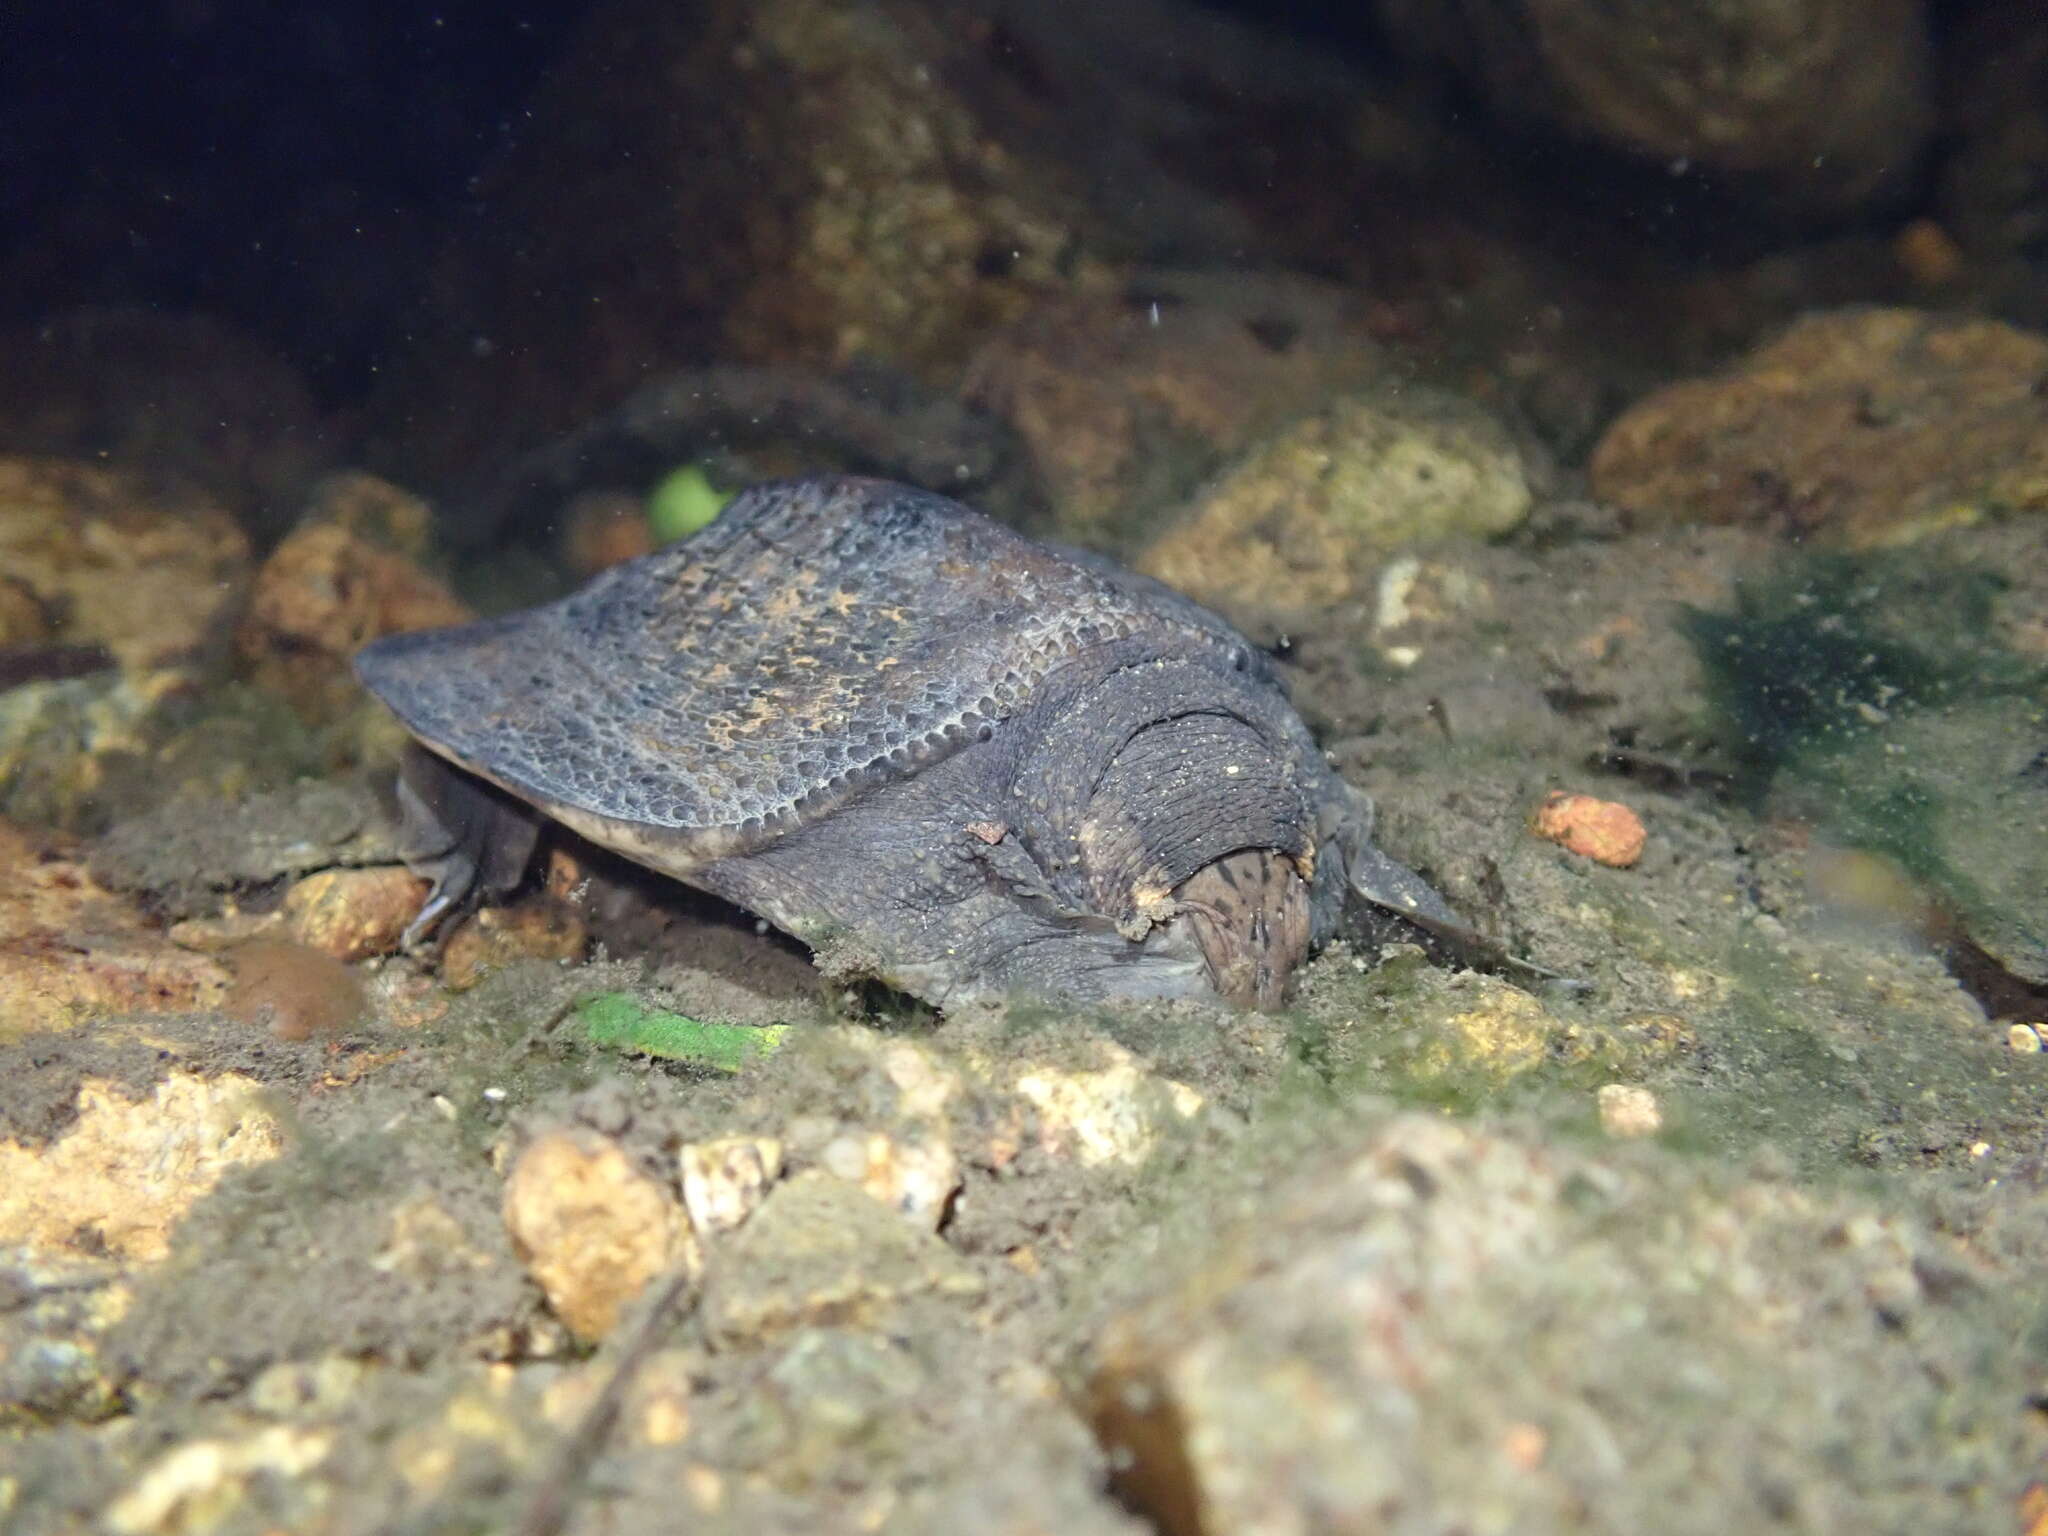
x=353, y=914
x=1604, y=831
x=1114, y=1114
x=497, y=936
x=404, y=998
x=592, y=1229
x=916, y=1174
x=724, y=1180
x=1524, y=1445
x=199, y=1481
x=1627, y=1110
x=2024, y=1038
x=820, y=1253
x=1929, y=253
x=1507, y=1033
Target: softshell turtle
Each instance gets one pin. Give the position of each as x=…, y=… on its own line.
x=937, y=751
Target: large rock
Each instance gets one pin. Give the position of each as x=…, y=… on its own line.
x=1861, y=427
x=120, y=1180
x=102, y=557
x=805, y=182
x=1439, y=1328
x=1302, y=522
x=1817, y=105
x=790, y=181
x=1126, y=402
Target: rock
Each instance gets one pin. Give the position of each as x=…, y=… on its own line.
x=352, y=914
x=55, y=1312
x=371, y=508
x=1858, y=427
x=153, y=576
x=120, y=1179
x=868, y=215
x=1928, y=254
x=798, y=183
x=1434, y=1327
x=592, y=1229
x=723, y=1181
x=202, y=1480
x=916, y=1174
x=1604, y=831
x=1628, y=1110
x=1301, y=522
x=71, y=950
x=182, y=856
x=323, y=594
x=1504, y=1035
x=1816, y=107
x=1111, y=1114
x=820, y=1253
x=494, y=937
x=1127, y=402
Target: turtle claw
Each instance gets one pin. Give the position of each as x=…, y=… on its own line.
x=467, y=837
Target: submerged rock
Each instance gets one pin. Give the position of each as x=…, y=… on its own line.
x=1859, y=427
x=1814, y=106
x=1299, y=524
x=122, y=1177
x=1127, y=402
x=1440, y=1327
x=821, y=1252
x=111, y=559
x=72, y=950
x=592, y=1229
x=328, y=590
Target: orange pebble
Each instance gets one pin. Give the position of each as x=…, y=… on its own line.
x=1601, y=830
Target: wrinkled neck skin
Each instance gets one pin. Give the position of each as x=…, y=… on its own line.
x=1174, y=797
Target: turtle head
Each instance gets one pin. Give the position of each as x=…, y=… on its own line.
x=1177, y=798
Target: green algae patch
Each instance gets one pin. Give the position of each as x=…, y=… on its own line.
x=1827, y=652
x=614, y=1020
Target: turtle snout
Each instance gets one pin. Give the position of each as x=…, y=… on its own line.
x=1251, y=914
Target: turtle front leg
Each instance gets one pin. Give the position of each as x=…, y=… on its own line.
x=469, y=838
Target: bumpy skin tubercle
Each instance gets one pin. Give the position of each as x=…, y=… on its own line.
x=942, y=753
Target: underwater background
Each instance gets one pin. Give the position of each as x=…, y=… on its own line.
x=1625, y=430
